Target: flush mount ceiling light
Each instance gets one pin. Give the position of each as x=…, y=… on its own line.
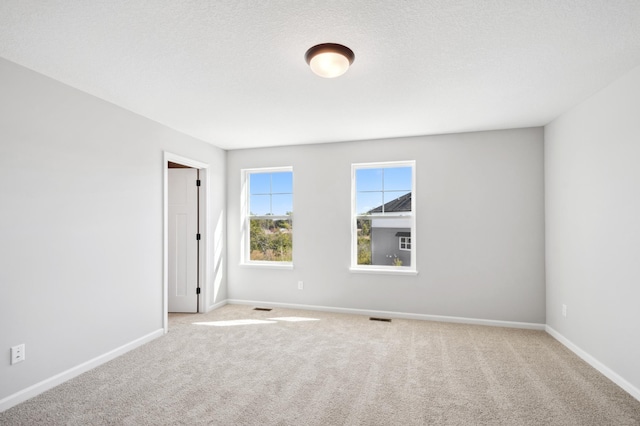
x=329, y=60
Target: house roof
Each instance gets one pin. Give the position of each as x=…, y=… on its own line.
x=400, y=204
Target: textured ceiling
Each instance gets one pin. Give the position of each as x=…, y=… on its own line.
x=233, y=72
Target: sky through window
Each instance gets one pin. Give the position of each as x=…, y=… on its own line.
x=378, y=186
x=271, y=194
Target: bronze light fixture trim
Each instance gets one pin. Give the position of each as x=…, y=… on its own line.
x=329, y=60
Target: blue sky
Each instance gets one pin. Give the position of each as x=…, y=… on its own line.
x=271, y=193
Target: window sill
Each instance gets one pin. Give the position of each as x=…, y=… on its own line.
x=388, y=271
x=268, y=265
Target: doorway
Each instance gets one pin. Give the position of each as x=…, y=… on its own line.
x=184, y=235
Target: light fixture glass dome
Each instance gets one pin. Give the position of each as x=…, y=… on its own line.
x=329, y=60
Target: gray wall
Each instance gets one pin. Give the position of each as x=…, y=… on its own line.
x=385, y=243
x=81, y=224
x=480, y=227
x=592, y=158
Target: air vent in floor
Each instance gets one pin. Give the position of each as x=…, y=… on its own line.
x=262, y=309
x=380, y=319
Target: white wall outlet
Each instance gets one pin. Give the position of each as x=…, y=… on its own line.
x=300, y=285
x=17, y=354
x=564, y=310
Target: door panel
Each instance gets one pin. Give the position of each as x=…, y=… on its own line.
x=183, y=246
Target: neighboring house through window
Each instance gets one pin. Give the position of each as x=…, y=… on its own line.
x=383, y=217
x=268, y=216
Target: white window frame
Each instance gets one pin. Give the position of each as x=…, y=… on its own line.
x=406, y=241
x=383, y=269
x=245, y=258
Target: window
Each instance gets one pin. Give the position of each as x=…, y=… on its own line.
x=405, y=243
x=267, y=216
x=383, y=217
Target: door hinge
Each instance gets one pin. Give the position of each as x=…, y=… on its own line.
x=198, y=237
x=198, y=290
x=198, y=182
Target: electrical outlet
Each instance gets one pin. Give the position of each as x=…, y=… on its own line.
x=564, y=310
x=17, y=354
x=300, y=285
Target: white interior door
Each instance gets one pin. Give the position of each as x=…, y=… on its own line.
x=183, y=245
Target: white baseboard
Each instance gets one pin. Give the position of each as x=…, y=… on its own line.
x=606, y=371
x=216, y=306
x=388, y=314
x=51, y=382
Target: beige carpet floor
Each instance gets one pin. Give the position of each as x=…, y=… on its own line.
x=245, y=368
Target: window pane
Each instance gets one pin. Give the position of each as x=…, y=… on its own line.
x=369, y=180
x=282, y=182
x=260, y=205
x=260, y=183
x=397, y=179
x=385, y=246
x=367, y=201
x=281, y=204
x=270, y=240
x=378, y=245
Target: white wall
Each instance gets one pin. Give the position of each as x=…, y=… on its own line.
x=480, y=227
x=592, y=160
x=81, y=224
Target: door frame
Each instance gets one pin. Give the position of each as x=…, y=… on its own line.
x=203, y=265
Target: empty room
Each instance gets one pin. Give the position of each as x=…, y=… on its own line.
x=320, y=213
